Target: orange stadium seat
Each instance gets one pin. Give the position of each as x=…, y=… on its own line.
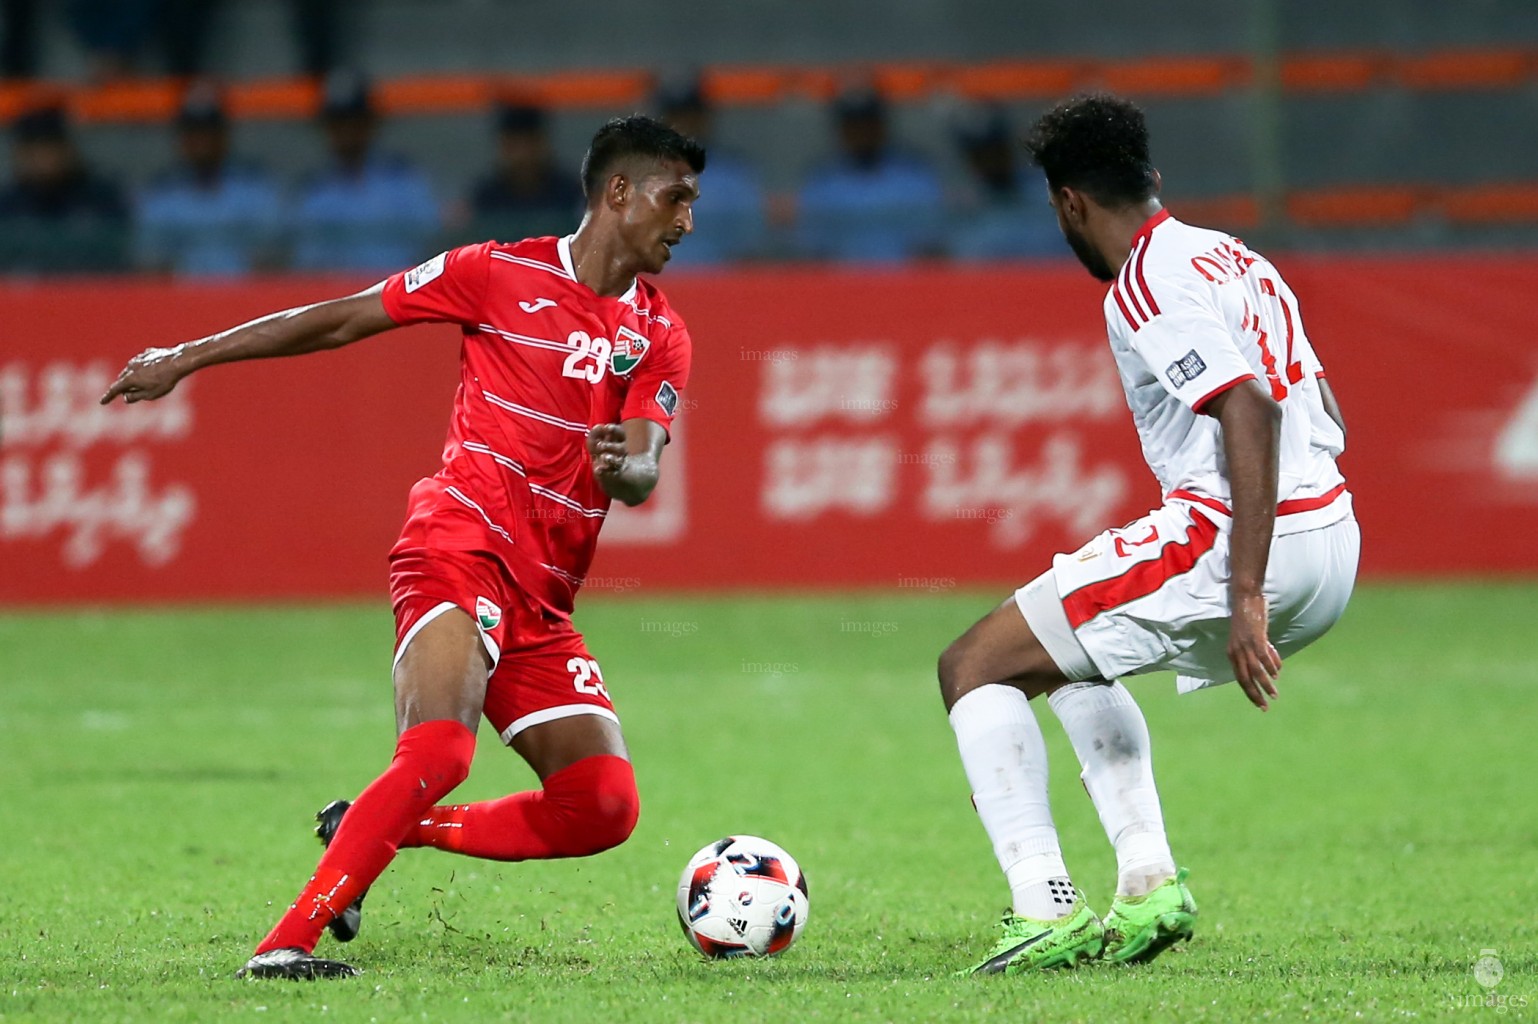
x=746, y=86
x=1017, y=80
x=903, y=83
x=1466, y=69
x=1179, y=76
x=1356, y=206
x=1332, y=72
x=1228, y=213
x=1490, y=204
x=274, y=98
x=436, y=94
x=1190, y=76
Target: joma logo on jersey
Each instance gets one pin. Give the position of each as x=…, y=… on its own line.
x=629, y=348
x=1186, y=369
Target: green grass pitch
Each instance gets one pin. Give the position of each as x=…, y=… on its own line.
x=1353, y=851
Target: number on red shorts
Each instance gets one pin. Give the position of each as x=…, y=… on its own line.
x=586, y=677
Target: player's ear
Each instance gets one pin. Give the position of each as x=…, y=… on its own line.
x=618, y=191
x=1071, y=205
x=1158, y=180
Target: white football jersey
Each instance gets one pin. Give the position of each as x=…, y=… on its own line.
x=1192, y=313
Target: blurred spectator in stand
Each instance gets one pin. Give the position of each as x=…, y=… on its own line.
x=57, y=214
x=367, y=211
x=872, y=203
x=525, y=195
x=209, y=214
x=1003, y=213
x=729, y=216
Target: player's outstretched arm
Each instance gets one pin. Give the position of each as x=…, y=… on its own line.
x=1252, y=428
x=332, y=324
x=627, y=457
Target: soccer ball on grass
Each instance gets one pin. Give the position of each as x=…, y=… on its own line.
x=742, y=896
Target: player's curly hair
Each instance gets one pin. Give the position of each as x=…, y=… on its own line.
x=1098, y=144
x=624, y=138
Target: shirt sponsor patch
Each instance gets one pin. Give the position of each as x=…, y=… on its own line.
x=1186, y=369
x=418, y=276
x=667, y=397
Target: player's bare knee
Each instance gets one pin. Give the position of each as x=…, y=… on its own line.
x=955, y=679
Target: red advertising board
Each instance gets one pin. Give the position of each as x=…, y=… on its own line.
x=915, y=428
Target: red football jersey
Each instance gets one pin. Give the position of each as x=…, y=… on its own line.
x=544, y=359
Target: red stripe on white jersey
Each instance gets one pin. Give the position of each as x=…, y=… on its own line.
x=1132, y=287
x=1292, y=506
x=1202, y=499
x=1124, y=282
x=1175, y=559
x=1200, y=405
x=1295, y=505
x=1132, y=321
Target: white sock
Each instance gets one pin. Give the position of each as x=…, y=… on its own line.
x=1005, y=759
x=1110, y=736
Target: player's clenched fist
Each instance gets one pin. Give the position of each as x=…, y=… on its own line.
x=150, y=374
x=606, y=447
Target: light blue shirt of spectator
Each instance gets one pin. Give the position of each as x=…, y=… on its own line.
x=378, y=216
x=1003, y=213
x=1006, y=223
x=873, y=203
x=226, y=224
x=729, y=216
x=884, y=213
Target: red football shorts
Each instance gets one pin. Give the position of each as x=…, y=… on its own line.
x=541, y=668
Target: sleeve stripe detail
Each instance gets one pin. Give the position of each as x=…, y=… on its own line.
x=532, y=264
x=1200, y=404
x=1131, y=285
x=1124, y=282
x=1132, y=321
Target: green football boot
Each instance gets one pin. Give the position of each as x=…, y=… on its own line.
x=1139, y=928
x=1026, y=944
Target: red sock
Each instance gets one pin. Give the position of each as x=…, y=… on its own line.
x=430, y=760
x=585, y=808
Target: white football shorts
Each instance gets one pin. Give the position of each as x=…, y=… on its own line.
x=1153, y=596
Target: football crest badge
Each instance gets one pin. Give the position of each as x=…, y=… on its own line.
x=629, y=347
x=486, y=613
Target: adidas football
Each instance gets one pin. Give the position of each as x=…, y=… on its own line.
x=742, y=896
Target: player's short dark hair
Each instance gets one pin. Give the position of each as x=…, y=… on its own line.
x=1098, y=144
x=637, y=136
